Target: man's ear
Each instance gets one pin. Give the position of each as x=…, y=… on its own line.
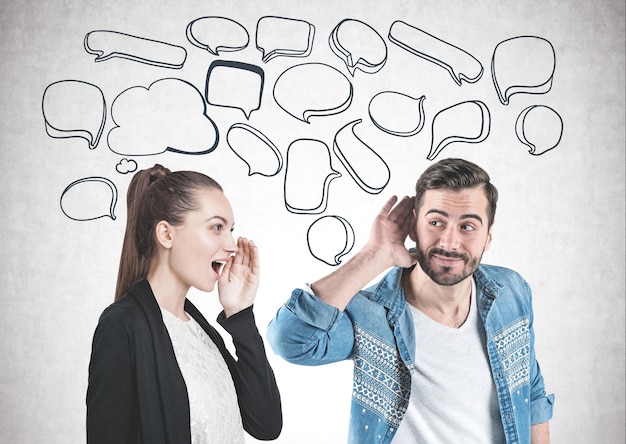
x=413, y=227
x=489, y=236
x=164, y=234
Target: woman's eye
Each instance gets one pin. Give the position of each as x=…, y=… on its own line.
x=218, y=227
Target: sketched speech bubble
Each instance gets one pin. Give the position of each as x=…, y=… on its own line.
x=359, y=46
x=330, y=238
x=280, y=36
x=89, y=199
x=217, y=34
x=255, y=149
x=235, y=85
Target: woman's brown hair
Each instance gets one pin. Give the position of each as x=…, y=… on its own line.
x=155, y=194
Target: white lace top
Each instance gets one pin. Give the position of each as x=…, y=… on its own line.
x=213, y=407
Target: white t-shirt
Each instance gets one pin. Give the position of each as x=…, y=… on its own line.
x=213, y=406
x=453, y=396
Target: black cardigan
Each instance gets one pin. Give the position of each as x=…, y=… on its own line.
x=136, y=392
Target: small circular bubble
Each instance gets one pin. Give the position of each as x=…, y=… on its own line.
x=330, y=238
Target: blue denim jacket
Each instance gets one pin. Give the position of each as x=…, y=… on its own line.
x=376, y=331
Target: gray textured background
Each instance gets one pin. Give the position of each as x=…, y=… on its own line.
x=560, y=221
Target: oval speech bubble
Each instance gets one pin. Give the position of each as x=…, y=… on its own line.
x=524, y=64
x=255, y=149
x=396, y=113
x=72, y=108
x=312, y=89
x=217, y=34
x=359, y=46
x=540, y=128
x=89, y=199
x=330, y=238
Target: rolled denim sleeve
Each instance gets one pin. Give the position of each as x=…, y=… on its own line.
x=308, y=331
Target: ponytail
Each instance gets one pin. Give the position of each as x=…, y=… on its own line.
x=155, y=194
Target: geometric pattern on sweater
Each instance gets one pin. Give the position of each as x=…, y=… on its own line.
x=381, y=381
x=513, y=345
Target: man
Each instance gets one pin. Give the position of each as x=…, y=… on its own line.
x=443, y=347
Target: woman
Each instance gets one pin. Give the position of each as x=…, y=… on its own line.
x=159, y=373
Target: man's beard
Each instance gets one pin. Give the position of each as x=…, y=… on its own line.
x=446, y=276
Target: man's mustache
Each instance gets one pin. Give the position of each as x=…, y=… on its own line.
x=450, y=254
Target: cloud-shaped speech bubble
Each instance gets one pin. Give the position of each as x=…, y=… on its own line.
x=217, y=34
x=359, y=46
x=366, y=167
x=461, y=65
x=468, y=122
x=312, y=89
x=89, y=199
x=72, y=108
x=280, y=36
x=523, y=64
x=397, y=114
x=126, y=166
x=169, y=115
x=235, y=85
x=255, y=149
x=330, y=238
x=308, y=173
x=110, y=44
x=540, y=128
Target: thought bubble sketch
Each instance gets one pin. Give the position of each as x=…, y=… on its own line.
x=255, y=149
x=312, y=89
x=397, y=114
x=72, y=108
x=169, y=115
x=308, y=174
x=366, y=167
x=126, y=166
x=359, y=46
x=217, y=34
x=235, y=85
x=281, y=36
x=89, y=199
x=524, y=64
x=461, y=65
x=106, y=45
x=540, y=128
x=330, y=238
x=468, y=122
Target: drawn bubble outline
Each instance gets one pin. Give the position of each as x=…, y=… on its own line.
x=484, y=131
x=520, y=129
x=285, y=52
x=542, y=88
x=332, y=175
x=457, y=77
x=350, y=127
x=92, y=141
x=347, y=57
x=152, y=45
x=123, y=162
x=308, y=113
x=414, y=131
x=264, y=139
x=349, y=239
x=99, y=179
x=168, y=148
x=235, y=65
x=223, y=48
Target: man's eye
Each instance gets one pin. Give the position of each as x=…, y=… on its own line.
x=436, y=223
x=468, y=227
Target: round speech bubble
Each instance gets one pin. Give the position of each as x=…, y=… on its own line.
x=359, y=46
x=330, y=238
x=89, y=198
x=540, y=128
x=397, y=113
x=217, y=34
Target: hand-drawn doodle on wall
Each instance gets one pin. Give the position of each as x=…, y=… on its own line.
x=330, y=238
x=312, y=89
x=366, y=167
x=308, y=174
x=468, y=122
x=235, y=85
x=540, y=128
x=281, y=36
x=461, y=65
x=255, y=149
x=126, y=166
x=359, y=46
x=524, y=64
x=89, y=199
x=148, y=120
x=73, y=108
x=397, y=114
x=106, y=45
x=217, y=34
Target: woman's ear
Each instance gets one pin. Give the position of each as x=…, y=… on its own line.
x=164, y=234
